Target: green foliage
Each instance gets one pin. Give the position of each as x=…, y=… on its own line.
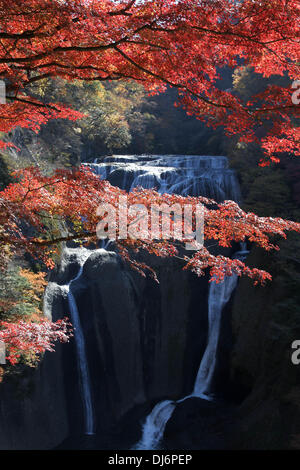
x=246, y=83
x=266, y=191
x=173, y=132
x=20, y=293
x=112, y=114
x=119, y=117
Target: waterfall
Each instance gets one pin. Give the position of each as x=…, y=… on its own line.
x=82, y=362
x=218, y=296
x=154, y=427
x=187, y=175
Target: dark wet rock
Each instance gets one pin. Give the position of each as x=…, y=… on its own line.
x=267, y=382
x=200, y=424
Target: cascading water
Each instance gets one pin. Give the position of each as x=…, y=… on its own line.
x=156, y=421
x=154, y=427
x=82, y=362
x=219, y=295
x=185, y=175
x=188, y=175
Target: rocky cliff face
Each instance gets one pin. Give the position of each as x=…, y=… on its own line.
x=140, y=334
x=265, y=324
x=33, y=411
x=145, y=341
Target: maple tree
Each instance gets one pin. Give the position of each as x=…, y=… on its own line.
x=73, y=196
x=31, y=339
x=177, y=43
x=24, y=329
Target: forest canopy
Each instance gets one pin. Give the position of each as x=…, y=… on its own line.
x=181, y=44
